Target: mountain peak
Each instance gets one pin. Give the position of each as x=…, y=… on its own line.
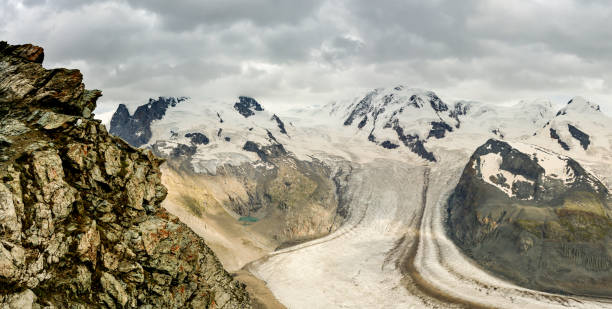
x=579, y=105
x=136, y=129
x=395, y=116
x=247, y=106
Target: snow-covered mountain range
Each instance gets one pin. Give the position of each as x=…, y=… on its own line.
x=212, y=134
x=356, y=170
x=392, y=118
x=415, y=118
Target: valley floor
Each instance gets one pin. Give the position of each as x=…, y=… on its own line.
x=392, y=252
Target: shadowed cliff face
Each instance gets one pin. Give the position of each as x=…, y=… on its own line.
x=534, y=217
x=80, y=217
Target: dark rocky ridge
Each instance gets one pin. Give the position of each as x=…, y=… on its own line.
x=389, y=145
x=247, y=106
x=198, y=138
x=280, y=124
x=555, y=135
x=414, y=143
x=80, y=219
x=550, y=235
x=361, y=109
x=439, y=129
x=136, y=129
x=582, y=137
x=460, y=108
x=265, y=152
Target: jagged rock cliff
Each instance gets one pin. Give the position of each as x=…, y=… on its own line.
x=80, y=218
x=136, y=129
x=535, y=217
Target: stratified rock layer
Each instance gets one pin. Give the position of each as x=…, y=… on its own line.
x=80, y=217
x=534, y=217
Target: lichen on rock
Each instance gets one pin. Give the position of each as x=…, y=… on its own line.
x=80, y=218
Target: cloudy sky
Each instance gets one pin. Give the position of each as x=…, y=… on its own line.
x=286, y=53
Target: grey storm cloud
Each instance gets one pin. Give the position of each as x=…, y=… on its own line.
x=187, y=14
x=288, y=53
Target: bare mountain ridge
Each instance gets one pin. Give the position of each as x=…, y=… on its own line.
x=81, y=223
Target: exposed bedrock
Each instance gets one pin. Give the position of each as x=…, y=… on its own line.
x=534, y=217
x=80, y=219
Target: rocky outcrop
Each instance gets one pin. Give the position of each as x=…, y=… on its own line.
x=579, y=128
x=439, y=129
x=280, y=124
x=136, y=129
x=554, y=135
x=582, y=137
x=198, y=138
x=80, y=218
x=534, y=217
x=265, y=152
x=247, y=106
x=460, y=109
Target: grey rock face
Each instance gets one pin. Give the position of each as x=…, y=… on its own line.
x=460, y=108
x=361, y=109
x=541, y=230
x=414, y=143
x=80, y=219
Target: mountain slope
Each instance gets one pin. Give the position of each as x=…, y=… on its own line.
x=210, y=134
x=420, y=120
x=240, y=155
x=517, y=121
x=534, y=217
x=399, y=116
x=136, y=129
x=80, y=217
x=579, y=129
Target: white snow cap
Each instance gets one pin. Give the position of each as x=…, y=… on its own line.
x=579, y=105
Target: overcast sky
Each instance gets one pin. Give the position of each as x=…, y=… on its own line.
x=286, y=53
